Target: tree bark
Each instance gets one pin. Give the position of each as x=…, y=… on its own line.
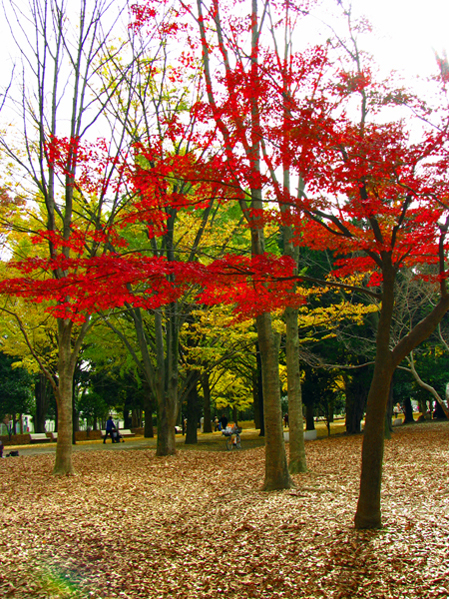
x=356, y=397
x=276, y=470
x=192, y=416
x=127, y=422
x=148, y=431
x=63, y=462
x=235, y=415
x=297, y=462
x=136, y=417
x=368, y=514
x=389, y=414
x=439, y=412
x=41, y=394
x=259, y=419
x=408, y=411
x=206, y=411
x=310, y=419
x=165, y=431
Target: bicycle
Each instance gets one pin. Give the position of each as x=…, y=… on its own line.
x=233, y=439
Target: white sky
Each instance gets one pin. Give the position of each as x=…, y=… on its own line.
x=407, y=33
x=404, y=38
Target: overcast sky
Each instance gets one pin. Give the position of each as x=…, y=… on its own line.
x=406, y=33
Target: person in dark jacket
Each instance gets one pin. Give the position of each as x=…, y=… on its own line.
x=110, y=426
x=222, y=423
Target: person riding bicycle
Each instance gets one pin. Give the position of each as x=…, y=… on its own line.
x=232, y=430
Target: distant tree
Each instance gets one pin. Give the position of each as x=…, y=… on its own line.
x=15, y=389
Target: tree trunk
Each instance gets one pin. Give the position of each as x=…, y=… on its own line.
x=368, y=514
x=297, y=461
x=356, y=396
x=408, y=411
x=259, y=391
x=310, y=420
x=235, y=415
x=167, y=375
x=148, y=431
x=127, y=422
x=136, y=417
x=75, y=421
x=41, y=394
x=165, y=430
x=56, y=414
x=207, y=411
x=389, y=414
x=193, y=412
x=439, y=412
x=276, y=469
x=63, y=462
x=423, y=409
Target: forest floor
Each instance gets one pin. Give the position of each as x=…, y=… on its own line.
x=197, y=526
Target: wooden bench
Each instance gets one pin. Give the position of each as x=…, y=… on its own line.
x=124, y=432
x=54, y=436
x=39, y=438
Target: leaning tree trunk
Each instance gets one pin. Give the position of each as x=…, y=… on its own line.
x=63, y=462
x=297, y=461
x=276, y=469
x=368, y=513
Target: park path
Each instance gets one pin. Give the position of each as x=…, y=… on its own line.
x=97, y=445
x=207, y=441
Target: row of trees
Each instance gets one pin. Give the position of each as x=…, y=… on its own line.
x=337, y=350
x=228, y=155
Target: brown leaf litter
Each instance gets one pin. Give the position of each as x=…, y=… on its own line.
x=197, y=525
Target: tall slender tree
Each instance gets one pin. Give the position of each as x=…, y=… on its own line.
x=60, y=47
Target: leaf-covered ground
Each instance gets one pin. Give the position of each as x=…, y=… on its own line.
x=196, y=525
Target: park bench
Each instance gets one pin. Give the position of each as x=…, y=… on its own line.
x=124, y=432
x=39, y=438
x=308, y=436
x=54, y=436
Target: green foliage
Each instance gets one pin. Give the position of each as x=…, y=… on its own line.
x=15, y=388
x=92, y=406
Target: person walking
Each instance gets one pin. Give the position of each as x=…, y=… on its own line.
x=110, y=426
